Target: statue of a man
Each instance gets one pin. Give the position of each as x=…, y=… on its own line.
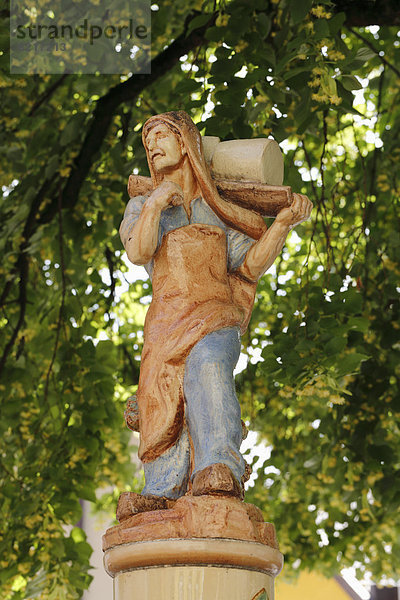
x=204, y=256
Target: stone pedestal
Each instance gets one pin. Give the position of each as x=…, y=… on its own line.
x=201, y=548
x=193, y=569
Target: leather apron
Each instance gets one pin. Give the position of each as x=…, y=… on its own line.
x=193, y=295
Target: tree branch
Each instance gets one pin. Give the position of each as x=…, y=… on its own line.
x=29, y=229
x=23, y=269
x=47, y=94
x=371, y=45
x=63, y=291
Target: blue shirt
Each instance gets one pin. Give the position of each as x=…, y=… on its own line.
x=175, y=216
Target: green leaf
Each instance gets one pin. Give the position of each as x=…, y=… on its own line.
x=198, y=22
x=264, y=24
x=336, y=22
x=353, y=300
x=321, y=29
x=85, y=492
x=359, y=324
x=351, y=363
x=188, y=86
x=335, y=345
x=299, y=10
x=214, y=34
x=328, y=84
x=350, y=83
x=312, y=463
x=364, y=54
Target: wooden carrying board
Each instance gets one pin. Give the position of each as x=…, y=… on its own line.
x=266, y=200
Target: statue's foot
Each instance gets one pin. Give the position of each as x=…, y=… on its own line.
x=217, y=479
x=130, y=503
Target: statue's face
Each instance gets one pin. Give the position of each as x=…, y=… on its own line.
x=164, y=148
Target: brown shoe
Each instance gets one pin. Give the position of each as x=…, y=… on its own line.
x=217, y=480
x=130, y=503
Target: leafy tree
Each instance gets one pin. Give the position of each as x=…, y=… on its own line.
x=325, y=395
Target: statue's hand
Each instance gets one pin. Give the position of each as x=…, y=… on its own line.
x=166, y=194
x=296, y=213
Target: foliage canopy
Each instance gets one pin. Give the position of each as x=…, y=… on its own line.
x=322, y=383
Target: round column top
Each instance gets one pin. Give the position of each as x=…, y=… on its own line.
x=193, y=551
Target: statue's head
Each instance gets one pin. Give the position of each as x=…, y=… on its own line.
x=169, y=139
x=165, y=147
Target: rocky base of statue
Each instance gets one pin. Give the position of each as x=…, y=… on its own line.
x=189, y=517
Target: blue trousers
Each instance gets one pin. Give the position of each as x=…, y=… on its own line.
x=212, y=418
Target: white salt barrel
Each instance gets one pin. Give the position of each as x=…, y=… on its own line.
x=257, y=159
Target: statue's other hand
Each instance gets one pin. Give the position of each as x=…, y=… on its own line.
x=297, y=212
x=168, y=193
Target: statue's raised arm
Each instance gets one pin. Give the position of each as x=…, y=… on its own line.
x=263, y=253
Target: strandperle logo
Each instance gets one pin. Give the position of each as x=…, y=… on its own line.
x=80, y=37
x=84, y=31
